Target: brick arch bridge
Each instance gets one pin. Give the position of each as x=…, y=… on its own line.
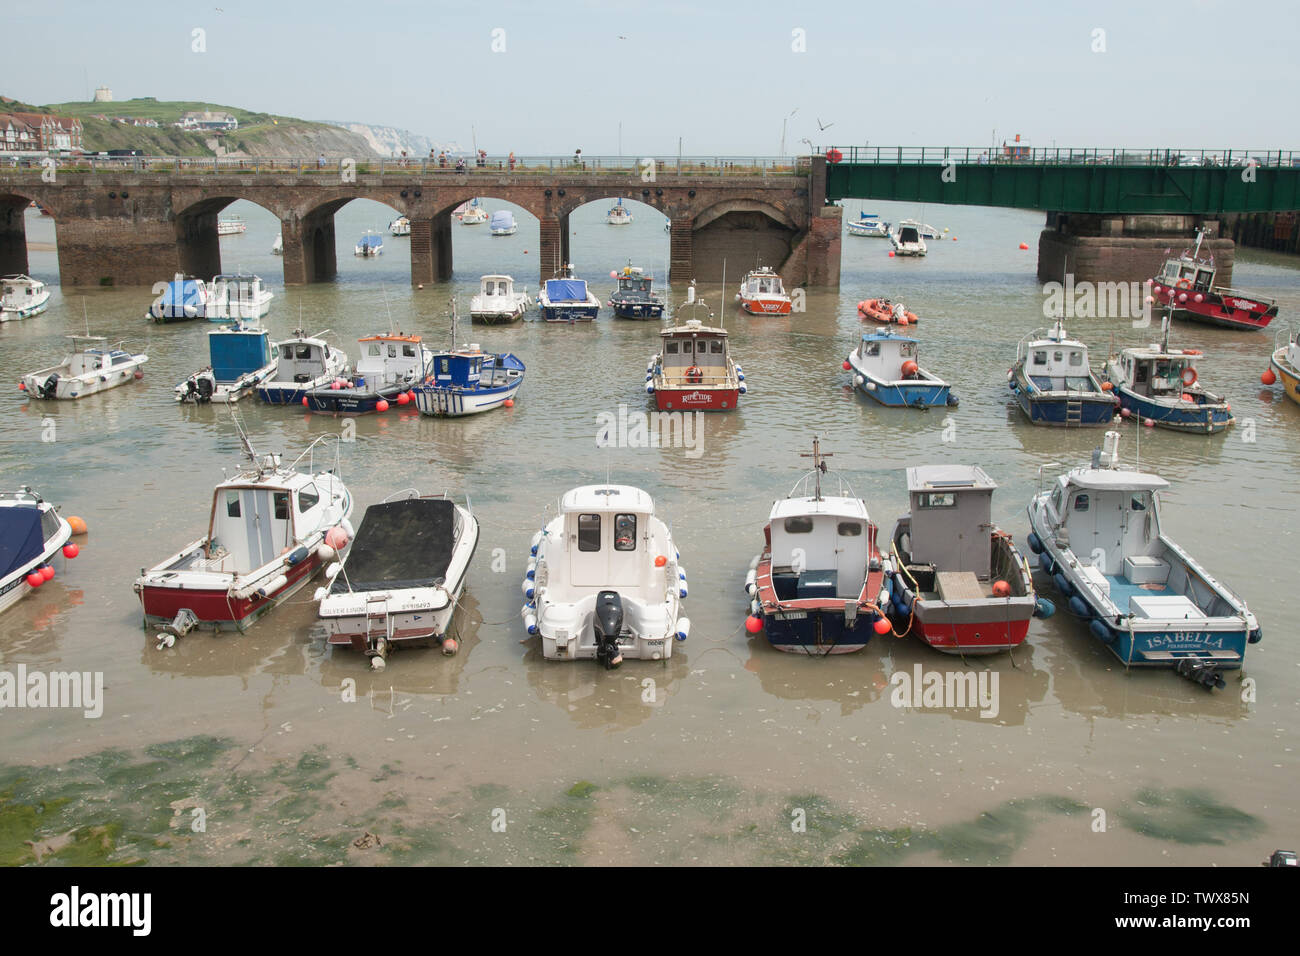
x=122, y=227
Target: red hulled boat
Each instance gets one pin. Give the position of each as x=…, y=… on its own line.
x=761, y=293
x=1187, y=283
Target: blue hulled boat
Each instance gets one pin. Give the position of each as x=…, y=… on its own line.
x=302, y=363
x=466, y=380
x=635, y=297
x=820, y=583
x=567, y=299
x=1142, y=595
x=180, y=300
x=885, y=367
x=1161, y=385
x=1054, y=384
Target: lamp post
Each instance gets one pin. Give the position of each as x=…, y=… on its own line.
x=783, y=122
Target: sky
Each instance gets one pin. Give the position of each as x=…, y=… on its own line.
x=723, y=78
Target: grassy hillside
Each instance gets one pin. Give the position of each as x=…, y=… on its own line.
x=259, y=134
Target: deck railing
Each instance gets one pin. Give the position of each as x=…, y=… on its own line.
x=1020, y=155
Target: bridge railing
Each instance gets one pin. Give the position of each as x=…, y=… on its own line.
x=641, y=166
x=1023, y=155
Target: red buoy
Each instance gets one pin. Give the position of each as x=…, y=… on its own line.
x=304, y=401
x=753, y=624
x=660, y=561
x=402, y=398
x=509, y=403
x=1024, y=245
x=847, y=365
x=381, y=406
x=35, y=579
x=70, y=550
x=22, y=386
x=881, y=626
x=1001, y=589
x=910, y=367
x=1268, y=378
x=47, y=572
x=891, y=253
x=833, y=155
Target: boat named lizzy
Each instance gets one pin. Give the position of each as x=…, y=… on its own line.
x=819, y=585
x=1144, y=597
x=761, y=293
x=604, y=580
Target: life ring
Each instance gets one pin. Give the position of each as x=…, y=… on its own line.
x=1184, y=283
x=1189, y=376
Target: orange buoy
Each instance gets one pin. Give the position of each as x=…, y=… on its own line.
x=753, y=624
x=1107, y=386
x=1188, y=397
x=35, y=579
x=891, y=253
x=402, y=399
x=1024, y=245
x=336, y=538
x=1001, y=589
x=1268, y=378
x=847, y=365
x=660, y=561
x=881, y=626
x=77, y=524
x=381, y=405
x=509, y=403
x=304, y=401
x=910, y=367
x=450, y=646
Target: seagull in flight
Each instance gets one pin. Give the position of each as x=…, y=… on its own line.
x=821, y=125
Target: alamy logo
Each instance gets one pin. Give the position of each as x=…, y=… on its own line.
x=1096, y=300
x=651, y=430
x=946, y=690
x=73, y=909
x=38, y=690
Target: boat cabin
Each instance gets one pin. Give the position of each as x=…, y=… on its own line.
x=497, y=286
x=951, y=518
x=1111, y=519
x=301, y=360
x=820, y=547
x=462, y=368
x=608, y=536
x=908, y=235
x=1151, y=372
x=256, y=518
x=19, y=292
x=762, y=282
x=1055, y=363
x=694, y=354
x=389, y=359
x=236, y=350
x=884, y=355
x=634, y=280
x=1187, y=273
x=89, y=356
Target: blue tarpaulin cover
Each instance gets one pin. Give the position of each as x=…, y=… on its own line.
x=21, y=540
x=235, y=354
x=566, y=290
x=502, y=219
x=180, y=296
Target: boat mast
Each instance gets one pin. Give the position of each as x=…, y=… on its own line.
x=819, y=466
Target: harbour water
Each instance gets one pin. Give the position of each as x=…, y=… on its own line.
x=728, y=752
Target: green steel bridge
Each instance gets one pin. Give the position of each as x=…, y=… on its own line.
x=1086, y=181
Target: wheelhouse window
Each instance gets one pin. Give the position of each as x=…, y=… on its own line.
x=1040, y=358
x=1138, y=503
x=873, y=348
x=937, y=499
x=799, y=524
x=624, y=532
x=232, y=504
x=716, y=346
x=1080, y=502
x=281, y=499
x=304, y=352
x=408, y=351
x=907, y=349
x=374, y=348
x=1076, y=358
x=588, y=532
x=670, y=348
x=287, y=351
x=849, y=529
x=444, y=366
x=308, y=498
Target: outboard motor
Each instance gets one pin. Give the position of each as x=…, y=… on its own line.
x=607, y=621
x=49, y=387
x=1204, y=673
x=205, y=388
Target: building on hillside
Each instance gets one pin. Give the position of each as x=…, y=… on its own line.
x=103, y=95
x=208, y=120
x=49, y=133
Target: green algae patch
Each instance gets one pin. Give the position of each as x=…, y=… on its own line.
x=582, y=789
x=1187, y=816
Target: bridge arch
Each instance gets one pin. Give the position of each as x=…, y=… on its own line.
x=194, y=220
x=13, y=228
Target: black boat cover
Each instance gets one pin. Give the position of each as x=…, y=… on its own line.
x=400, y=544
x=21, y=539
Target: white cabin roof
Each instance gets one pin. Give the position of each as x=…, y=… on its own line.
x=607, y=498
x=836, y=506
x=1115, y=479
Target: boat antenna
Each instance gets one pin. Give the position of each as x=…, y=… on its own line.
x=384, y=289
x=1164, y=325
x=452, y=300
x=722, y=297
x=86, y=314
x=819, y=466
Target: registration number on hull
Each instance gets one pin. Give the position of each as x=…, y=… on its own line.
x=791, y=615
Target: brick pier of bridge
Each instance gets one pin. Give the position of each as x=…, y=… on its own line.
x=119, y=227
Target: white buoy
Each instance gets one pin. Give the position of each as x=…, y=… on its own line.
x=333, y=571
x=751, y=581
x=683, y=628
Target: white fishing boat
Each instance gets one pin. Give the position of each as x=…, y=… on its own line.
x=303, y=363
x=237, y=295
x=924, y=230
x=762, y=293
x=907, y=240
x=231, y=227
x=32, y=533
x=1097, y=531
x=402, y=578
x=401, y=226
x=242, y=358
x=870, y=226
x=497, y=302
x=604, y=581
x=474, y=214
x=271, y=528
x=618, y=215
x=503, y=223
x=370, y=245
x=21, y=297
x=90, y=367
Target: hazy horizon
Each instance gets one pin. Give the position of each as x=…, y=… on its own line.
x=722, y=77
